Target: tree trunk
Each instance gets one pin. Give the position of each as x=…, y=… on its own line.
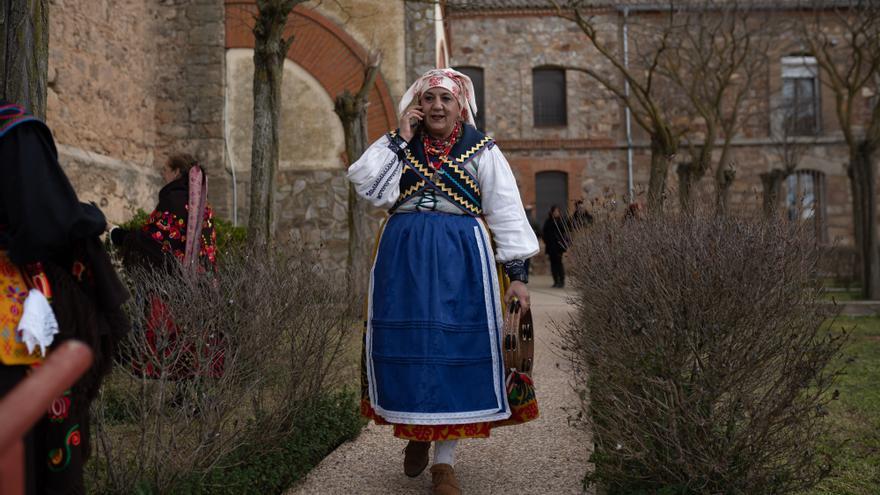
x=353, y=113
x=24, y=53
x=855, y=192
x=352, y=110
x=772, y=183
x=270, y=49
x=661, y=156
x=724, y=177
x=864, y=177
x=685, y=185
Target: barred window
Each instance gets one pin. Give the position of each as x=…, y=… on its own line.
x=800, y=96
x=548, y=95
x=476, y=75
x=805, y=200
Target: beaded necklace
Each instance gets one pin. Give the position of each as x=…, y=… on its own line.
x=436, y=150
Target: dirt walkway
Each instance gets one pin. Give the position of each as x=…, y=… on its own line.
x=545, y=456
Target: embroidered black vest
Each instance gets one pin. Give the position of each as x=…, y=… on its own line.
x=452, y=180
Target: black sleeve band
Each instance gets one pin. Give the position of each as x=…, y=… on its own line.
x=397, y=144
x=516, y=271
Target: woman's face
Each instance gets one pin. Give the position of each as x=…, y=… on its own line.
x=441, y=111
x=169, y=174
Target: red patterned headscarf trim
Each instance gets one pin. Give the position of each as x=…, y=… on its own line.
x=460, y=85
x=198, y=194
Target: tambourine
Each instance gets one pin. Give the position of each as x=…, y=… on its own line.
x=518, y=340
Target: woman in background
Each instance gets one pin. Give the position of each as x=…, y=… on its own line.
x=555, y=235
x=178, y=237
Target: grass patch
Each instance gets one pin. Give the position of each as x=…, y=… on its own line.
x=843, y=295
x=855, y=417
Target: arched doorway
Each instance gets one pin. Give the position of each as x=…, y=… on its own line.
x=335, y=59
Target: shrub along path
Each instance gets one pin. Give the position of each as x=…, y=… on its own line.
x=543, y=456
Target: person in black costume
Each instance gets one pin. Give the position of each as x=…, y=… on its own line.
x=49, y=243
x=555, y=235
x=181, y=215
x=163, y=237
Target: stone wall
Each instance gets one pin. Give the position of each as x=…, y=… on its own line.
x=375, y=25
x=508, y=49
x=189, y=88
x=421, y=39
x=129, y=83
x=591, y=147
x=101, y=100
x=312, y=193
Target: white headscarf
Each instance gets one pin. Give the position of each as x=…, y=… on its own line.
x=460, y=85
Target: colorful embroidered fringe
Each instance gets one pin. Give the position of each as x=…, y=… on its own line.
x=13, y=351
x=57, y=435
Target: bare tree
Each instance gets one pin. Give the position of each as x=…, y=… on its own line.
x=640, y=87
x=717, y=57
x=352, y=110
x=270, y=50
x=844, y=37
x=789, y=149
x=24, y=53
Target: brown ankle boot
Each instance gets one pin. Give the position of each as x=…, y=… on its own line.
x=415, y=458
x=444, y=480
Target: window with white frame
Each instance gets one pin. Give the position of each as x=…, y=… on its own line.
x=805, y=200
x=800, y=96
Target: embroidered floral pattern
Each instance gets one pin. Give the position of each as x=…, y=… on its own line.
x=59, y=458
x=16, y=294
x=60, y=409
x=169, y=231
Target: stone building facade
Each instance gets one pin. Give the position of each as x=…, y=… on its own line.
x=586, y=157
x=132, y=82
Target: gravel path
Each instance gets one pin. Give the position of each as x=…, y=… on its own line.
x=545, y=456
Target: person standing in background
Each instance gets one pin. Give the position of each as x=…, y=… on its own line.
x=555, y=234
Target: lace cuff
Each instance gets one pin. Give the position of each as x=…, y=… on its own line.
x=516, y=270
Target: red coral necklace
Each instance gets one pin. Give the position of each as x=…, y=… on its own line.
x=438, y=149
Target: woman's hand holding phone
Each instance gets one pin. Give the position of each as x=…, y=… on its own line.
x=409, y=121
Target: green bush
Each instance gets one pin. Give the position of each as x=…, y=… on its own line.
x=229, y=237
x=262, y=470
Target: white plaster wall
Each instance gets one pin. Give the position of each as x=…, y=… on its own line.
x=311, y=134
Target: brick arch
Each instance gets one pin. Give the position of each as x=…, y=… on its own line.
x=323, y=49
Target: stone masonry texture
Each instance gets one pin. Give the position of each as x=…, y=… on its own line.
x=510, y=39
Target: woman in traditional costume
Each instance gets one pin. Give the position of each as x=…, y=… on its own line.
x=180, y=228
x=57, y=283
x=178, y=237
x=433, y=346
